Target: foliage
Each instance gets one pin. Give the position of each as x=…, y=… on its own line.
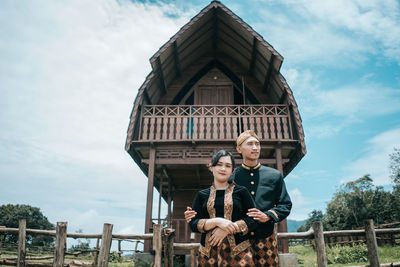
x=114, y=257
x=10, y=216
x=307, y=256
x=357, y=201
x=82, y=245
x=347, y=254
x=314, y=216
x=394, y=166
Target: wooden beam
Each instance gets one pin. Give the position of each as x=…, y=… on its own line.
x=200, y=161
x=282, y=100
x=282, y=226
x=278, y=158
x=150, y=185
x=269, y=73
x=177, y=63
x=215, y=31
x=161, y=75
x=253, y=56
x=169, y=204
x=146, y=96
x=160, y=190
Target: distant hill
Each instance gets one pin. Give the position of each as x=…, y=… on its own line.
x=292, y=225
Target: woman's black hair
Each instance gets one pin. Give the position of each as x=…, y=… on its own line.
x=222, y=153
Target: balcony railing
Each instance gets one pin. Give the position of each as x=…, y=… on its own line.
x=221, y=122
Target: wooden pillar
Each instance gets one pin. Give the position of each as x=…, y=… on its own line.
x=61, y=242
x=159, y=198
x=106, y=239
x=21, y=243
x=169, y=204
x=283, y=245
x=320, y=244
x=372, y=245
x=149, y=203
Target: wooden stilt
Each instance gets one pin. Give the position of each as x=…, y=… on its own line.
x=169, y=203
x=160, y=190
x=149, y=203
x=283, y=245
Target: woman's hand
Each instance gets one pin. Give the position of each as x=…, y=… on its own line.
x=218, y=235
x=189, y=214
x=228, y=226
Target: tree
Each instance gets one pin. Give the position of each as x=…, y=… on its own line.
x=11, y=214
x=357, y=201
x=394, y=166
x=313, y=216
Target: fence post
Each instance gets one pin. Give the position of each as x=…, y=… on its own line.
x=119, y=249
x=371, y=243
x=61, y=241
x=21, y=243
x=96, y=253
x=193, y=257
x=169, y=235
x=320, y=244
x=157, y=244
x=106, y=239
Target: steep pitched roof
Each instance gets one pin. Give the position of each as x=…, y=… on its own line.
x=216, y=29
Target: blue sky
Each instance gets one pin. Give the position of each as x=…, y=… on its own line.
x=70, y=71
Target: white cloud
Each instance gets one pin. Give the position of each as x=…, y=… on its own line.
x=332, y=33
x=327, y=111
x=375, y=159
x=297, y=197
x=69, y=74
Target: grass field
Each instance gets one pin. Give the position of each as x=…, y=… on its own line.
x=307, y=257
x=305, y=254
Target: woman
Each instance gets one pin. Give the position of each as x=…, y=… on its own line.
x=224, y=206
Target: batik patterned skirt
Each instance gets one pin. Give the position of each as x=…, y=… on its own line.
x=265, y=252
x=221, y=257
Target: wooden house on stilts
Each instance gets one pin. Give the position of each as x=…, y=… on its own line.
x=215, y=78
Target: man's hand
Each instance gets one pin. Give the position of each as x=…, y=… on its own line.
x=218, y=235
x=258, y=215
x=189, y=214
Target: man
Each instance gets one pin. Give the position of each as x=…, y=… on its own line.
x=267, y=187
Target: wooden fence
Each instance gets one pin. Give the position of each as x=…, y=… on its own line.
x=163, y=243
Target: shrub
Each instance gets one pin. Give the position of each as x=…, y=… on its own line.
x=347, y=254
x=114, y=257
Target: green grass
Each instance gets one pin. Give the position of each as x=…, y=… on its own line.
x=307, y=256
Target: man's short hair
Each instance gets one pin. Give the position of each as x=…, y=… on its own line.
x=246, y=134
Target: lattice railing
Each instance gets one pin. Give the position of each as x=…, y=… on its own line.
x=203, y=122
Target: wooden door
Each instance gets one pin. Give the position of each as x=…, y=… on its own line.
x=213, y=95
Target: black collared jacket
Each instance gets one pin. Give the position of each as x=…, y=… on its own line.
x=268, y=189
x=231, y=204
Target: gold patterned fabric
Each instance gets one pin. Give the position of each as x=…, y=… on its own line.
x=265, y=252
x=235, y=249
x=222, y=257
